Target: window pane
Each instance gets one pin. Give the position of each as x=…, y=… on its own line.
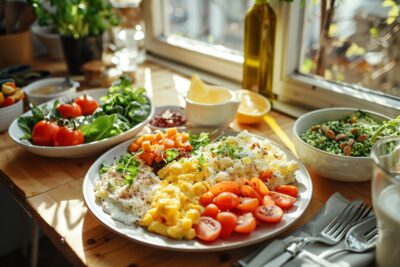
x=216, y=22
x=354, y=42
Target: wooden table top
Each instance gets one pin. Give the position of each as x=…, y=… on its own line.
x=51, y=190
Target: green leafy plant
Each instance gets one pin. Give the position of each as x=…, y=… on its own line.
x=76, y=18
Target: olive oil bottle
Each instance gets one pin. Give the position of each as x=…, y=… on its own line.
x=259, y=40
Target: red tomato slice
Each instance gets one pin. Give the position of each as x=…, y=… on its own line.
x=226, y=186
x=246, y=223
x=268, y=200
x=211, y=210
x=228, y=222
x=248, y=191
x=282, y=200
x=269, y=214
x=248, y=204
x=290, y=190
x=206, y=198
x=226, y=201
x=208, y=229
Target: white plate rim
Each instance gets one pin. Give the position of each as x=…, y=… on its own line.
x=140, y=235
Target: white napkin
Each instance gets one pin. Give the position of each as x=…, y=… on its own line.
x=333, y=206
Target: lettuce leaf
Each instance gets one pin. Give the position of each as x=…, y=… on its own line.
x=104, y=126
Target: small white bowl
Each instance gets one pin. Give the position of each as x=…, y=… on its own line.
x=161, y=109
x=325, y=164
x=79, y=151
x=37, y=99
x=8, y=114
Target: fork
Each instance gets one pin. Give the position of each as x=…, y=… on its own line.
x=330, y=235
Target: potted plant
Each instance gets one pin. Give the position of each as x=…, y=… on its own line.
x=80, y=23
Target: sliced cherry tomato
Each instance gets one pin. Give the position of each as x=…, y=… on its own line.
x=211, y=210
x=208, y=229
x=87, y=103
x=246, y=223
x=267, y=200
x=228, y=221
x=248, y=191
x=290, y=190
x=282, y=200
x=206, y=198
x=68, y=137
x=269, y=214
x=248, y=204
x=69, y=111
x=226, y=201
x=259, y=186
x=43, y=133
x=226, y=186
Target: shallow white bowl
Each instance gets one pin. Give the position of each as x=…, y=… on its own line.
x=37, y=99
x=8, y=114
x=328, y=165
x=161, y=109
x=78, y=151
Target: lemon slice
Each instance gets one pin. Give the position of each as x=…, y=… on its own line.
x=198, y=90
x=252, y=107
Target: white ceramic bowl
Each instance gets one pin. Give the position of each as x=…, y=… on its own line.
x=8, y=114
x=324, y=164
x=37, y=99
x=78, y=151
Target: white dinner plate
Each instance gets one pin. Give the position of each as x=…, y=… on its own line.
x=141, y=235
x=79, y=151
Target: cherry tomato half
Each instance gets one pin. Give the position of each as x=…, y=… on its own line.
x=68, y=137
x=282, y=200
x=246, y=223
x=211, y=210
x=208, y=229
x=269, y=214
x=248, y=204
x=226, y=186
x=87, y=103
x=69, y=111
x=43, y=133
x=248, y=191
x=267, y=200
x=226, y=201
x=228, y=221
x=290, y=190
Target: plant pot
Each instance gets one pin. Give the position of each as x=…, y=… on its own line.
x=15, y=49
x=79, y=51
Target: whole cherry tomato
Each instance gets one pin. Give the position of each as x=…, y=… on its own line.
x=228, y=221
x=87, y=103
x=226, y=201
x=68, y=137
x=211, y=210
x=69, y=111
x=43, y=133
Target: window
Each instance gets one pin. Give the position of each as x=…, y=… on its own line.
x=328, y=53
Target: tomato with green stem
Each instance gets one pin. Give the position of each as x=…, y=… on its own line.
x=69, y=111
x=87, y=103
x=68, y=137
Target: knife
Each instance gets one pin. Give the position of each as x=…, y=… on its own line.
x=290, y=252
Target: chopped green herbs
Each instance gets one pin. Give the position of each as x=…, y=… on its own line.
x=171, y=154
x=199, y=140
x=351, y=136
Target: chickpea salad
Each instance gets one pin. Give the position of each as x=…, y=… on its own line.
x=185, y=186
x=350, y=136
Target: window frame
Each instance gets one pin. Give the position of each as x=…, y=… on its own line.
x=289, y=86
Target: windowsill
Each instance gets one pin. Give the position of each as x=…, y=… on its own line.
x=285, y=108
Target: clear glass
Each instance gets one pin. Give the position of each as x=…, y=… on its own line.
x=215, y=22
x=355, y=42
x=386, y=200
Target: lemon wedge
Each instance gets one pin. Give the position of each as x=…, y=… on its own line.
x=252, y=107
x=198, y=90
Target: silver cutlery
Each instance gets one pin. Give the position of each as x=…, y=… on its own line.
x=330, y=235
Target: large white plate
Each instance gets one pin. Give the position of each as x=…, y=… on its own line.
x=139, y=234
x=78, y=151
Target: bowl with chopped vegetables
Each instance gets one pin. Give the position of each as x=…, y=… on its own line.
x=85, y=124
x=336, y=142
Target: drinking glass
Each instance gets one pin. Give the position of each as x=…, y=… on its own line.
x=386, y=199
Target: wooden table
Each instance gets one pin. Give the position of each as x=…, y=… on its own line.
x=50, y=190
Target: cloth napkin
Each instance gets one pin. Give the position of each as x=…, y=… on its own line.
x=333, y=206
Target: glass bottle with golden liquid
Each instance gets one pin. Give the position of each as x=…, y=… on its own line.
x=259, y=41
